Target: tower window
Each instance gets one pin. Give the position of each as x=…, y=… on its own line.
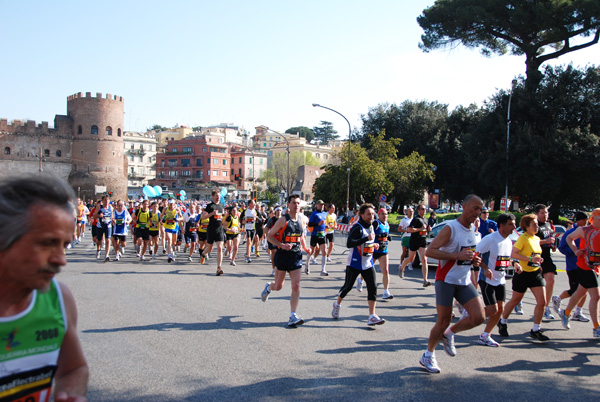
x=6, y=150
x=46, y=152
x=118, y=132
x=94, y=130
x=108, y=130
x=79, y=129
x=59, y=153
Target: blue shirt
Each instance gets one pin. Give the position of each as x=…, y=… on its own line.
x=563, y=247
x=314, y=220
x=485, y=226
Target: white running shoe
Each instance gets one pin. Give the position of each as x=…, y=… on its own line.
x=335, y=313
x=295, y=320
x=448, y=343
x=359, y=285
x=328, y=259
x=580, y=317
x=429, y=363
x=556, y=304
x=387, y=295
x=487, y=341
x=324, y=273
x=375, y=320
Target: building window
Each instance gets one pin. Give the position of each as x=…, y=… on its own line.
x=132, y=146
x=59, y=153
x=141, y=147
x=185, y=162
x=208, y=161
x=173, y=185
x=224, y=173
x=187, y=150
x=203, y=149
x=232, y=161
x=46, y=152
x=74, y=168
x=118, y=132
x=265, y=145
x=215, y=161
x=79, y=129
x=94, y=130
x=208, y=173
x=173, y=149
x=225, y=162
x=6, y=150
x=232, y=172
x=198, y=162
x=132, y=158
x=172, y=162
x=108, y=130
x=172, y=173
x=149, y=147
x=199, y=174
x=186, y=173
x=215, y=173
x=162, y=163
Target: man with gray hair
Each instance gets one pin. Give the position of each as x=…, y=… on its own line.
x=38, y=317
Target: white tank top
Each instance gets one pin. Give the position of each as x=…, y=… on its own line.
x=457, y=272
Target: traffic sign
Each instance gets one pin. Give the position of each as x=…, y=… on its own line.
x=382, y=198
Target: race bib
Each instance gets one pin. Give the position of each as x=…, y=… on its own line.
x=170, y=221
x=594, y=258
x=466, y=262
x=320, y=234
x=218, y=217
x=292, y=238
x=142, y=226
x=502, y=262
x=193, y=229
x=120, y=221
x=534, y=264
x=368, y=249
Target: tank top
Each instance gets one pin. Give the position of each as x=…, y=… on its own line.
x=457, y=272
x=105, y=221
x=120, y=226
x=143, y=219
x=170, y=220
x=154, y=222
x=291, y=233
x=31, y=342
x=191, y=224
x=250, y=218
x=231, y=224
x=590, y=260
x=361, y=257
x=382, y=234
x=203, y=225
x=330, y=223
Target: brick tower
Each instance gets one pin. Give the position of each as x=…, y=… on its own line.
x=98, y=156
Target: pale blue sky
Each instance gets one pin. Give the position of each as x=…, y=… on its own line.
x=244, y=62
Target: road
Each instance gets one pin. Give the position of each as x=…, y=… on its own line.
x=155, y=331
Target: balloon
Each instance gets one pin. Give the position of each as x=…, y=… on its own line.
x=182, y=192
x=222, y=199
x=158, y=190
x=149, y=191
x=182, y=197
x=223, y=191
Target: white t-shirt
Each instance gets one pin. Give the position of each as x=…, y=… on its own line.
x=495, y=252
x=250, y=218
x=404, y=224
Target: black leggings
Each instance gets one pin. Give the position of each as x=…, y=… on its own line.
x=369, y=278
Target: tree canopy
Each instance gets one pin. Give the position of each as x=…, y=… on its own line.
x=325, y=132
x=277, y=175
x=305, y=132
x=538, y=29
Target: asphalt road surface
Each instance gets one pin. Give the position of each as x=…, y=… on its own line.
x=155, y=331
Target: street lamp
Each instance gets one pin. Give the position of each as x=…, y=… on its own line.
x=349, y=143
x=514, y=83
x=288, y=158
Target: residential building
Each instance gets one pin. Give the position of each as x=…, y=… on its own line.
x=140, y=151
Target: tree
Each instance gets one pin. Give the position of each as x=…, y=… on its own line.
x=325, y=132
x=157, y=127
x=305, y=132
x=540, y=29
x=277, y=175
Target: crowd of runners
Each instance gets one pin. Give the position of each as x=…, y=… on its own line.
x=474, y=255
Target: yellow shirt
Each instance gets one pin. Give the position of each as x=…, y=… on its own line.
x=529, y=246
x=330, y=223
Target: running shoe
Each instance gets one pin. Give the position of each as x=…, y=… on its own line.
x=313, y=261
x=564, y=319
x=410, y=267
x=272, y=272
x=503, y=329
x=248, y=260
x=328, y=259
x=69, y=246
x=164, y=251
x=387, y=295
x=97, y=255
x=106, y=259
x=219, y=271
x=190, y=259
x=324, y=273
x=426, y=283
x=232, y=263
x=548, y=314
x=375, y=320
x=580, y=317
x=519, y=309
x=306, y=268
x=539, y=335
x=596, y=333
x=170, y=259
x=429, y=363
x=448, y=343
x=202, y=259
x=257, y=254
x=77, y=241
x=401, y=273
x=142, y=258
x=359, y=285
x=556, y=304
x=154, y=256
x=117, y=257
x=264, y=296
x=295, y=320
x=335, y=313
x=487, y=341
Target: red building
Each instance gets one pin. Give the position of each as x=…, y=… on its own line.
x=193, y=160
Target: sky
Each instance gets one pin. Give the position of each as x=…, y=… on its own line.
x=249, y=63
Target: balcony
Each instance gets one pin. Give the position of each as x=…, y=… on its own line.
x=135, y=176
x=140, y=152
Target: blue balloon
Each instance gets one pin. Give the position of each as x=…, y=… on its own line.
x=222, y=199
x=149, y=191
x=223, y=192
x=158, y=190
x=182, y=192
x=182, y=197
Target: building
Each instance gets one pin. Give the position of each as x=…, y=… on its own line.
x=307, y=175
x=85, y=147
x=247, y=169
x=140, y=151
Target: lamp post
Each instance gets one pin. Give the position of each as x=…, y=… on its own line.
x=349, y=143
x=288, y=158
x=514, y=83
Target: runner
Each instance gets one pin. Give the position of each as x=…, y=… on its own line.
x=215, y=233
x=317, y=222
x=231, y=224
x=259, y=224
x=104, y=227
x=361, y=242
x=202, y=228
x=171, y=217
x=581, y=220
x=288, y=235
x=142, y=220
x=454, y=247
x=120, y=220
x=38, y=315
x=248, y=222
x=331, y=225
x=495, y=250
x=588, y=261
x=190, y=219
x=403, y=228
x=418, y=243
x=155, y=226
x=382, y=236
x=272, y=248
x=548, y=243
x=528, y=275
x=82, y=212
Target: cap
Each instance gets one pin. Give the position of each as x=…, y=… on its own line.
x=171, y=201
x=484, y=209
x=579, y=216
x=278, y=208
x=319, y=202
x=381, y=210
